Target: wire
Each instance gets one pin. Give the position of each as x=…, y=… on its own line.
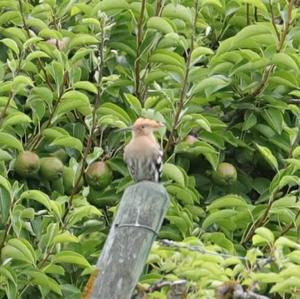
x=169, y=243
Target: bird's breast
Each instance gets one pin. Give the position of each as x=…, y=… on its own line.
x=140, y=147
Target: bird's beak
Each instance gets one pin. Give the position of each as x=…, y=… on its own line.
x=124, y=129
x=159, y=125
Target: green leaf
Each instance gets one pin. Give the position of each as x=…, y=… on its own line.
x=86, y=85
x=107, y=5
x=80, y=53
x=265, y=130
x=172, y=172
x=20, y=82
x=258, y=3
x=294, y=256
x=285, y=202
x=8, y=273
x=16, y=118
x=286, y=285
x=245, y=38
x=268, y=277
x=57, y=209
x=285, y=242
x=9, y=141
x=65, y=237
x=4, y=183
x=265, y=234
x=155, y=76
x=19, y=249
x=283, y=80
x=134, y=103
x=43, y=93
x=118, y=164
x=74, y=100
x=160, y=24
x=117, y=111
x=296, y=152
x=54, y=269
x=268, y=156
x=180, y=223
x=290, y=180
x=169, y=40
x=200, y=52
x=95, y=155
x=15, y=33
x=91, y=21
x=37, y=55
x=250, y=120
x=68, y=141
x=211, y=2
x=181, y=193
x=210, y=85
x=123, y=47
x=178, y=11
x=250, y=66
x=82, y=39
x=50, y=34
x=295, y=93
x=254, y=31
x=38, y=196
x=70, y=257
x=274, y=118
x=216, y=216
x=200, y=148
x=36, y=23
x=55, y=132
x=284, y=60
x=166, y=57
x=5, y=202
x=170, y=232
x=81, y=212
x=227, y=201
x=194, y=120
x=9, y=16
x=5, y=156
x=11, y=44
x=43, y=280
x=110, y=120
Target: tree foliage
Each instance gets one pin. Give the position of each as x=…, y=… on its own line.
x=224, y=77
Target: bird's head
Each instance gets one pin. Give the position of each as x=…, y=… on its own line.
x=144, y=126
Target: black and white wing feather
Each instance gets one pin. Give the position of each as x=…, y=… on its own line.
x=158, y=160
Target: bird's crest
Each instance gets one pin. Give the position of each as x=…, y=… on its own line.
x=140, y=122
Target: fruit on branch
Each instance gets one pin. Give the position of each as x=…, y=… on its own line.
x=59, y=44
x=225, y=174
x=51, y=168
x=190, y=139
x=98, y=175
x=27, y=164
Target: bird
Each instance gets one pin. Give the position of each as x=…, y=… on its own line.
x=143, y=155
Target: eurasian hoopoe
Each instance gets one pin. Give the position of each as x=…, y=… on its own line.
x=143, y=154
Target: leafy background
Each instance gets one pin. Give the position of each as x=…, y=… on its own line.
x=223, y=75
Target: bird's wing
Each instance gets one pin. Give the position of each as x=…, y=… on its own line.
x=130, y=162
x=158, y=160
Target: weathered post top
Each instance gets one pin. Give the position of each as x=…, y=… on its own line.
x=137, y=222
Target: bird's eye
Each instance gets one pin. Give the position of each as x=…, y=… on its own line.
x=143, y=127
